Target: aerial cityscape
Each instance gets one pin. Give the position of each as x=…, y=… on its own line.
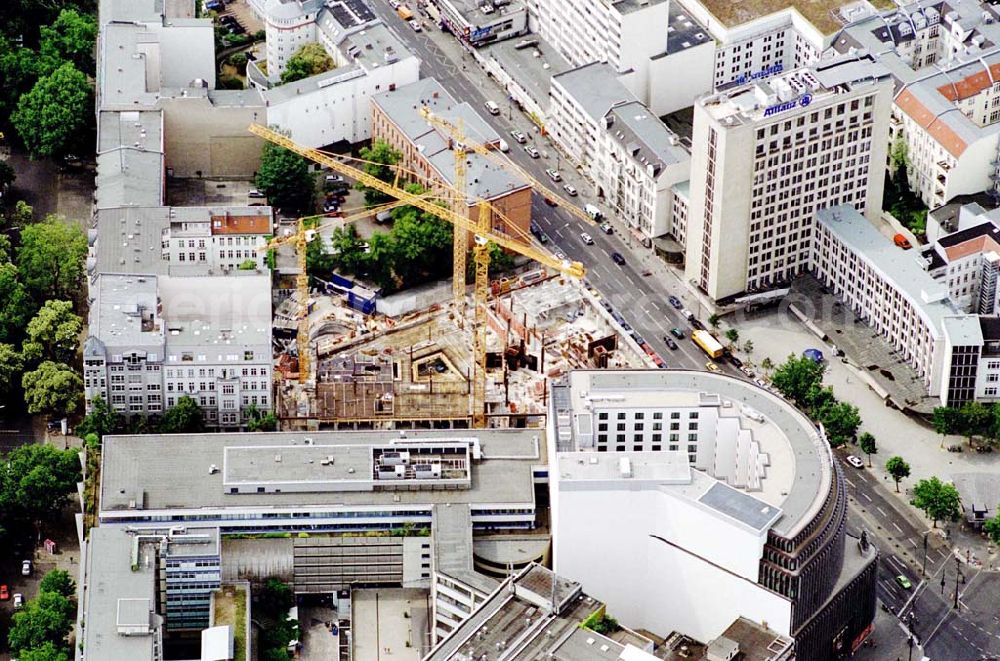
x=499, y=330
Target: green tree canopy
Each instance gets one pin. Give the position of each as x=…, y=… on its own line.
x=101, y=421
x=48, y=651
x=185, y=417
x=714, y=320
x=939, y=500
x=381, y=157
x=284, y=177
x=733, y=336
x=18, y=72
x=796, y=377
x=992, y=528
x=307, y=61
x=53, y=117
x=258, y=420
x=867, y=444
x=11, y=368
x=54, y=333
x=47, y=618
x=70, y=38
x=380, y=260
x=35, y=481
x=946, y=420
x=840, y=420
x=898, y=469
x=16, y=305
x=53, y=389
x=51, y=258
x=60, y=582
x=976, y=419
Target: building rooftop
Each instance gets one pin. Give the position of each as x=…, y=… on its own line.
x=801, y=87
x=902, y=268
x=648, y=140
x=127, y=177
x=225, y=314
x=484, y=179
x=684, y=31
x=125, y=313
x=595, y=87
x=531, y=61
x=824, y=16
x=117, y=595
x=799, y=471
x=172, y=472
x=451, y=533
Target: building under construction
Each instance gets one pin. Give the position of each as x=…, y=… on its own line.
x=374, y=372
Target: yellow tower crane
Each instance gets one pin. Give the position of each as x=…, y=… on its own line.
x=482, y=231
x=300, y=240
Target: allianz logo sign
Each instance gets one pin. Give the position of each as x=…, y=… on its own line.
x=802, y=102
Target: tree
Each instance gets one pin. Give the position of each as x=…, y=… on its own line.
x=53, y=389
x=185, y=417
x=796, y=377
x=714, y=320
x=867, y=444
x=53, y=117
x=947, y=420
x=11, y=368
x=70, y=38
x=423, y=242
x=898, y=469
x=992, y=528
x=258, y=420
x=733, y=336
x=284, y=177
x=50, y=259
x=60, y=582
x=767, y=364
x=22, y=215
x=48, y=651
x=975, y=419
x=247, y=265
x=748, y=347
x=898, y=157
x=35, y=481
x=47, y=618
x=348, y=249
x=939, y=500
x=307, y=61
x=18, y=72
x=101, y=421
x=54, y=333
x=381, y=158
x=380, y=259
x=840, y=421
x=16, y=305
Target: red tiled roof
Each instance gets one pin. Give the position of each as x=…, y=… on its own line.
x=938, y=130
x=241, y=224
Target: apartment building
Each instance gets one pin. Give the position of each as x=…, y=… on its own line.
x=683, y=483
x=333, y=106
x=943, y=58
x=479, y=23
x=767, y=155
x=427, y=150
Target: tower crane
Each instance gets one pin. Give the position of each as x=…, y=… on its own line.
x=482, y=231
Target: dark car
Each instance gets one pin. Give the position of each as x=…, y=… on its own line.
x=670, y=343
x=675, y=302
x=735, y=362
x=617, y=258
x=697, y=325
x=677, y=332
x=549, y=201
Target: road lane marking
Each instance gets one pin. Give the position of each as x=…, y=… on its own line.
x=882, y=512
x=897, y=527
x=853, y=486
x=867, y=496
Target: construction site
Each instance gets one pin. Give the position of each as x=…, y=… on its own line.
x=416, y=371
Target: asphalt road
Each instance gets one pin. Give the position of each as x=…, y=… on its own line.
x=641, y=300
x=970, y=632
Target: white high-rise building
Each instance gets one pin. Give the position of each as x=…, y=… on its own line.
x=767, y=155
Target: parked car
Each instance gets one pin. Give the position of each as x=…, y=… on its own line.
x=570, y=190
x=735, y=362
x=854, y=461
x=253, y=192
x=415, y=24
x=394, y=4
x=761, y=382
x=553, y=174
x=18, y=601
x=544, y=238
x=675, y=302
x=492, y=108
x=4, y=593
x=903, y=582
x=27, y=568
x=589, y=240
x=617, y=258
x=670, y=343
x=531, y=151
x=677, y=332
x=334, y=178
x=607, y=228
x=519, y=137
x=711, y=367
x=549, y=201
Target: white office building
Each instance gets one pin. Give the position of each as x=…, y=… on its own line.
x=482, y=22
x=767, y=155
x=710, y=490
x=332, y=106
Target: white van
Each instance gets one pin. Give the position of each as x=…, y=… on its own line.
x=504, y=147
x=383, y=216
x=492, y=108
x=593, y=211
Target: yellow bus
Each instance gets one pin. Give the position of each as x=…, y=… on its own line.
x=708, y=344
